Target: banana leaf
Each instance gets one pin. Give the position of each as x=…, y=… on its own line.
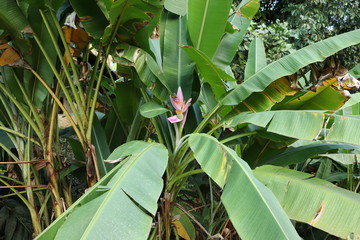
x=230, y=42
x=314, y=201
x=206, y=23
x=290, y=64
x=305, y=125
x=252, y=208
x=122, y=204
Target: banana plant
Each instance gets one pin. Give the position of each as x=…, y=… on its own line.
x=181, y=70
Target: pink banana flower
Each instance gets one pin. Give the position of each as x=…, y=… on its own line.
x=181, y=108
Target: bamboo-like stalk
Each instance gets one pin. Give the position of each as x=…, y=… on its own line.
x=53, y=176
x=73, y=124
x=71, y=61
x=77, y=97
x=60, y=81
x=22, y=110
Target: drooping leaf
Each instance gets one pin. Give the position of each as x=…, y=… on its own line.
x=183, y=225
x=152, y=109
x=343, y=158
x=290, y=64
x=211, y=73
x=303, y=125
x=323, y=97
x=313, y=201
x=275, y=93
x=91, y=17
x=230, y=42
x=127, y=194
x=206, y=23
x=252, y=208
x=345, y=129
x=302, y=153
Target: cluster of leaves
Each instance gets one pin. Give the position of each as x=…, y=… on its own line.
x=168, y=142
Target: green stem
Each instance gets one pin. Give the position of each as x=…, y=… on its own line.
x=57, y=100
x=71, y=61
x=66, y=71
x=154, y=122
x=96, y=93
x=229, y=139
x=186, y=174
x=11, y=131
x=22, y=110
x=205, y=121
x=63, y=87
x=92, y=80
x=30, y=104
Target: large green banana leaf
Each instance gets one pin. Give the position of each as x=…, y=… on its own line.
x=314, y=201
x=177, y=66
x=122, y=204
x=209, y=71
x=256, y=58
x=252, y=208
x=230, y=42
x=206, y=23
x=290, y=64
x=303, y=125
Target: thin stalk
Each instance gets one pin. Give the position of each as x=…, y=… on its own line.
x=57, y=100
x=186, y=174
x=26, y=174
x=11, y=131
x=63, y=87
x=63, y=64
x=20, y=192
x=22, y=110
x=8, y=151
x=30, y=104
x=94, y=98
x=92, y=80
x=205, y=121
x=229, y=139
x=53, y=176
x=71, y=61
x=153, y=121
x=43, y=212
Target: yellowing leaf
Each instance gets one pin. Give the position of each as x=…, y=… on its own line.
x=181, y=230
x=9, y=56
x=183, y=225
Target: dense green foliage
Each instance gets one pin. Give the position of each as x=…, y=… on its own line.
x=167, y=141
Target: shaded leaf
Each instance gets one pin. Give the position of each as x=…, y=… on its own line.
x=313, y=201
x=252, y=208
x=152, y=109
